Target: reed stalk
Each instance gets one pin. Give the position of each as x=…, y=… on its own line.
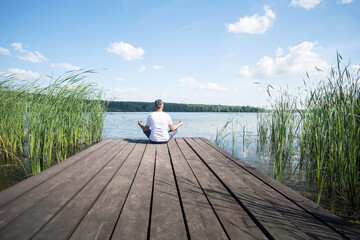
x=325, y=129
x=47, y=122
x=230, y=133
x=330, y=134
x=284, y=126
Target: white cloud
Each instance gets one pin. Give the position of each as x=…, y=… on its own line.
x=279, y=52
x=125, y=89
x=126, y=51
x=356, y=68
x=192, y=83
x=296, y=62
x=17, y=46
x=35, y=57
x=119, y=79
x=254, y=24
x=307, y=4
x=245, y=71
x=4, y=51
x=157, y=67
x=23, y=74
x=142, y=69
x=346, y=1
x=65, y=65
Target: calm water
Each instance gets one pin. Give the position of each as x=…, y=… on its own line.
x=198, y=125
x=243, y=125
x=244, y=129
x=195, y=124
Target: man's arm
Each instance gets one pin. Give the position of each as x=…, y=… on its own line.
x=144, y=128
x=173, y=128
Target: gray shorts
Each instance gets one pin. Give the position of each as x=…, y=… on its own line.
x=171, y=135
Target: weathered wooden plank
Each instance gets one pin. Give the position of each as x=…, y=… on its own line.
x=19, y=205
x=310, y=207
x=300, y=218
x=68, y=184
x=22, y=187
x=134, y=219
x=166, y=219
x=201, y=220
x=268, y=218
x=64, y=223
x=235, y=220
x=95, y=196
x=100, y=221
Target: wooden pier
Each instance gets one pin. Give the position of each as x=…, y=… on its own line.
x=186, y=189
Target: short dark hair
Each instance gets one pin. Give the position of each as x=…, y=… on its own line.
x=158, y=103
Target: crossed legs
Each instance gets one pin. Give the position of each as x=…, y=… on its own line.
x=171, y=135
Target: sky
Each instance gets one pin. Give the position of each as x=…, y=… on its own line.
x=205, y=52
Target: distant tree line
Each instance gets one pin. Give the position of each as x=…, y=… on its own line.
x=177, y=107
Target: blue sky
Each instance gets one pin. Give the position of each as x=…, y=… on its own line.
x=210, y=52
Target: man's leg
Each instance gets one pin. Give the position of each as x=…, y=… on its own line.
x=172, y=134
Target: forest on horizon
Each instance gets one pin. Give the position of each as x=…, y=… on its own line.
x=131, y=106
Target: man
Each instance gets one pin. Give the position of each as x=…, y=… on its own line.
x=157, y=124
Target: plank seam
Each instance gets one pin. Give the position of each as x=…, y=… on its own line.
x=290, y=199
x=152, y=197
x=212, y=207
x=49, y=177
x=97, y=197
x=127, y=194
x=179, y=195
x=57, y=212
x=253, y=218
x=35, y=204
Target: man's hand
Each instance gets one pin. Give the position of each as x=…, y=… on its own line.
x=144, y=128
x=173, y=128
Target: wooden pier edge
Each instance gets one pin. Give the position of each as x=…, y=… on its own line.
x=123, y=188
x=325, y=216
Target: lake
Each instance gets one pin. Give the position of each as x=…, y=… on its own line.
x=239, y=138
x=243, y=126
x=242, y=131
x=199, y=125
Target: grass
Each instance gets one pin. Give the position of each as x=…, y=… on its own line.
x=45, y=123
x=283, y=131
x=229, y=133
x=330, y=137
x=324, y=131
x=262, y=127
x=317, y=137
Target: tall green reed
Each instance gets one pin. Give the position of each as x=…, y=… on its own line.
x=324, y=130
x=230, y=133
x=262, y=128
x=47, y=122
x=284, y=126
x=330, y=140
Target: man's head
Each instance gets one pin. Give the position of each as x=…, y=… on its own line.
x=158, y=104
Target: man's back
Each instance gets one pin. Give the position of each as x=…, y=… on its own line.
x=159, y=122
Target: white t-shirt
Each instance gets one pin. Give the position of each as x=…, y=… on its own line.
x=159, y=123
